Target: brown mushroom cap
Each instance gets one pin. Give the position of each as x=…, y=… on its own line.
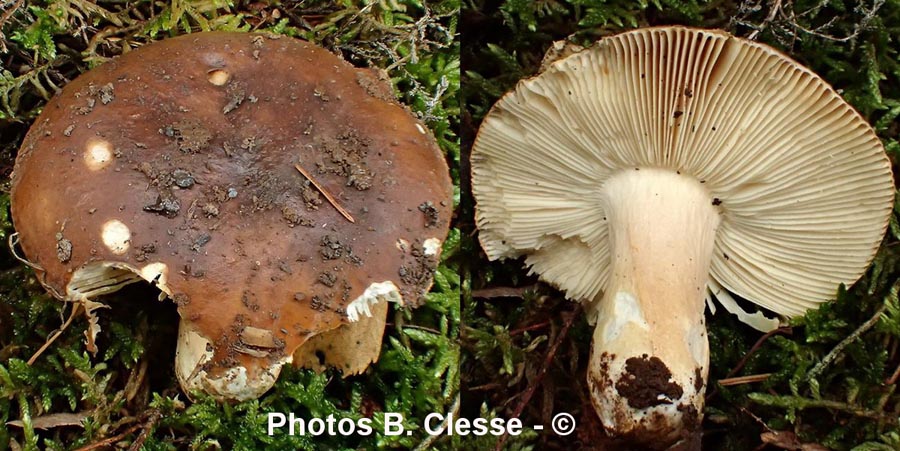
x=176, y=162
x=349, y=348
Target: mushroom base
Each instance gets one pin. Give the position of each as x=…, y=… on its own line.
x=244, y=381
x=650, y=353
x=193, y=350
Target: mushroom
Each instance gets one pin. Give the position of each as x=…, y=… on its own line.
x=663, y=163
x=269, y=188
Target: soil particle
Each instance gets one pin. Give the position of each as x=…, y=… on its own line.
x=236, y=95
x=293, y=217
x=431, y=214
x=82, y=110
x=161, y=179
x=210, y=210
x=319, y=92
x=311, y=196
x=166, y=204
x=377, y=83
x=181, y=299
x=105, y=93
x=249, y=144
x=345, y=295
x=332, y=249
x=220, y=195
x=249, y=301
x=345, y=155
x=328, y=279
x=141, y=253
x=299, y=297
x=228, y=149
x=691, y=434
x=147, y=169
x=416, y=274
x=317, y=304
x=266, y=188
x=68, y=131
x=691, y=417
x=182, y=178
x=190, y=135
x=698, y=380
x=717, y=201
x=200, y=242
x=647, y=383
x=63, y=248
x=188, y=270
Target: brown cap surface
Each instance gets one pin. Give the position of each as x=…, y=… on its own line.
x=176, y=162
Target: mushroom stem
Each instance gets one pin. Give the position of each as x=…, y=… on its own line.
x=650, y=353
x=248, y=378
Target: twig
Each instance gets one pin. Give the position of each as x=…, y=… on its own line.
x=756, y=346
x=55, y=334
x=148, y=426
x=426, y=444
x=776, y=6
x=502, y=292
x=799, y=403
x=755, y=418
x=524, y=329
x=325, y=193
x=744, y=379
x=893, y=379
x=10, y=11
x=548, y=360
x=834, y=353
x=753, y=349
x=12, y=242
x=107, y=32
x=111, y=440
x=491, y=386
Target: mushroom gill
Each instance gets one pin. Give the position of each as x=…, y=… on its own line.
x=665, y=162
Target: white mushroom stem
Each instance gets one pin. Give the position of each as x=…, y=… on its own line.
x=650, y=345
x=238, y=383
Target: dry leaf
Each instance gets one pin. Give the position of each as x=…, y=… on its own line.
x=54, y=420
